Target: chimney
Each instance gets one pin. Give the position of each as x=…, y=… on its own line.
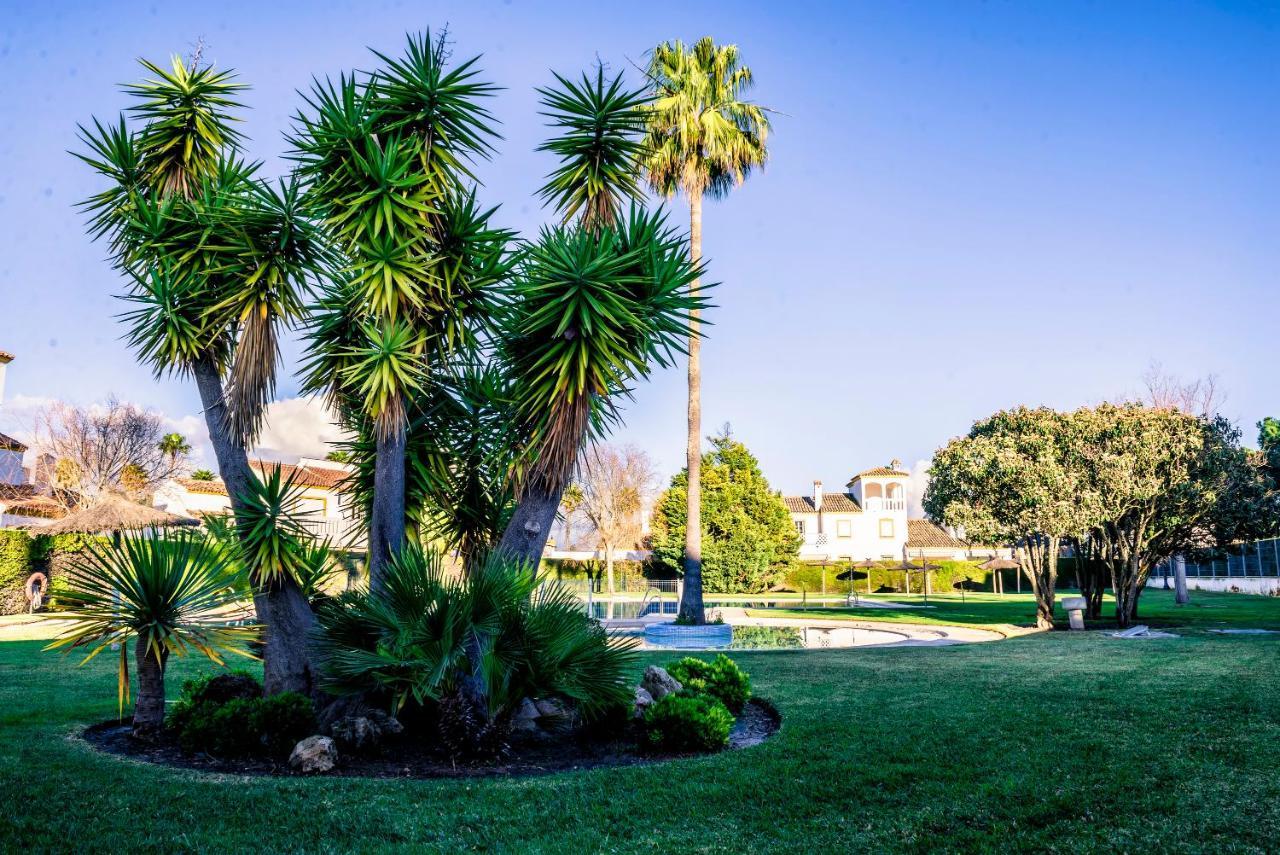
x=5, y=359
x=895, y=464
x=817, y=495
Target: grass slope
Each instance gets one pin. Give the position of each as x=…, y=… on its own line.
x=1042, y=743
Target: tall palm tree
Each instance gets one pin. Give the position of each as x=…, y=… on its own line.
x=174, y=446
x=162, y=594
x=216, y=261
x=703, y=139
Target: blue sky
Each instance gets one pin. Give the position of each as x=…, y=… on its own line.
x=969, y=205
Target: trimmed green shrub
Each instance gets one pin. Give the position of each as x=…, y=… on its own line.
x=682, y=722
x=721, y=678
x=226, y=715
x=17, y=557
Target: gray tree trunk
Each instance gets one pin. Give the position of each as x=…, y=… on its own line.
x=1180, y=595
x=282, y=610
x=148, y=711
x=691, y=606
x=386, y=523
x=526, y=534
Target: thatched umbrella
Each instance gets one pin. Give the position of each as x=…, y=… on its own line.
x=996, y=565
x=851, y=574
x=112, y=514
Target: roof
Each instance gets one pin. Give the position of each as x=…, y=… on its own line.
x=8, y=443
x=880, y=472
x=16, y=492
x=36, y=506
x=305, y=476
x=922, y=534
x=833, y=503
x=114, y=513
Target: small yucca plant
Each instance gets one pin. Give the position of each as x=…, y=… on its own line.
x=165, y=595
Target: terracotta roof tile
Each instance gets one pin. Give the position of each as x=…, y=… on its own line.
x=37, y=506
x=307, y=476
x=881, y=472
x=16, y=492
x=833, y=503
x=212, y=488
x=8, y=443
x=922, y=534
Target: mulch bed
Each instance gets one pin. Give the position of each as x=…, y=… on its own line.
x=407, y=759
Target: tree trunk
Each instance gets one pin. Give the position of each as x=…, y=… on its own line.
x=608, y=567
x=530, y=526
x=386, y=523
x=148, y=711
x=1180, y=596
x=691, y=607
x=284, y=611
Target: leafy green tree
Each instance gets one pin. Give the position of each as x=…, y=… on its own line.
x=1014, y=479
x=161, y=594
x=338, y=456
x=217, y=261
x=703, y=138
x=750, y=535
x=202, y=475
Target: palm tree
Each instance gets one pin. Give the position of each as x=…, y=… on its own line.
x=597, y=301
x=703, y=139
x=174, y=446
x=163, y=595
x=385, y=157
x=217, y=261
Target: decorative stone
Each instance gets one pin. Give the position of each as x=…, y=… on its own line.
x=365, y=733
x=551, y=708
x=658, y=683
x=1075, y=607
x=644, y=700
x=314, y=754
x=525, y=720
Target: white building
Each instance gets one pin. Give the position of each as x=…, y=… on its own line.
x=20, y=501
x=868, y=521
x=324, y=505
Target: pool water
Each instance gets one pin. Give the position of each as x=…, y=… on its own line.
x=752, y=637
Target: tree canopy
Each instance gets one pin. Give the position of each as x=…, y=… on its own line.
x=749, y=533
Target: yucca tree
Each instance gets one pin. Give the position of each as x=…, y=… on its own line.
x=164, y=596
x=216, y=261
x=386, y=157
x=703, y=140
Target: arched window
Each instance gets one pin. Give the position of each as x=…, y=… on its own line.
x=894, y=491
x=872, y=491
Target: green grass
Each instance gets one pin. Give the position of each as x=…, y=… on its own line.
x=1156, y=608
x=1055, y=742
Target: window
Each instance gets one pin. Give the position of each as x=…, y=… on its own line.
x=886, y=528
x=800, y=527
x=844, y=529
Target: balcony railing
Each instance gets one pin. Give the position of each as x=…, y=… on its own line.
x=875, y=503
x=339, y=531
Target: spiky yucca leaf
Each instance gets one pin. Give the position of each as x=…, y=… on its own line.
x=270, y=532
x=599, y=128
x=164, y=593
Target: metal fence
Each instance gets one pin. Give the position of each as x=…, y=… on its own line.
x=1254, y=559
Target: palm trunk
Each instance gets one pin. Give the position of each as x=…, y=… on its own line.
x=283, y=610
x=386, y=523
x=148, y=712
x=530, y=526
x=691, y=607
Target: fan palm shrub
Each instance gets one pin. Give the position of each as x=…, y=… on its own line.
x=703, y=139
x=162, y=595
x=470, y=649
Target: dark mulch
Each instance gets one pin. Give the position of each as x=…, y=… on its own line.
x=408, y=759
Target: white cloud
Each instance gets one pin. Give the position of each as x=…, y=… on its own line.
x=916, y=487
x=298, y=427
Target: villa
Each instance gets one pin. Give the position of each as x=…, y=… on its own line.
x=323, y=501
x=869, y=521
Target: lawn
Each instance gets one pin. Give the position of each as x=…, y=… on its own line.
x=1066, y=742
x=1207, y=610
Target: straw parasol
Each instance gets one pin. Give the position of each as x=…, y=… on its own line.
x=997, y=564
x=851, y=574
x=112, y=514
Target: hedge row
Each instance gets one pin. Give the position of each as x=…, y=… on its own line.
x=23, y=553
x=944, y=577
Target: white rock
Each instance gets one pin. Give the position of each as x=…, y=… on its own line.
x=314, y=754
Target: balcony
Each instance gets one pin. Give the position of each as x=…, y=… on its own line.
x=876, y=503
x=339, y=531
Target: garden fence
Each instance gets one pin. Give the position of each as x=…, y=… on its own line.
x=1252, y=559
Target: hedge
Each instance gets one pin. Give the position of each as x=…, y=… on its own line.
x=23, y=553
x=17, y=557
x=944, y=577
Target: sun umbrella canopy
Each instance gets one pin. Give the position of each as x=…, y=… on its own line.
x=112, y=513
x=999, y=564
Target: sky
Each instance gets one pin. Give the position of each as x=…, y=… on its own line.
x=967, y=206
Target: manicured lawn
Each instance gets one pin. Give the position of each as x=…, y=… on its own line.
x=1045, y=742
x=1156, y=608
